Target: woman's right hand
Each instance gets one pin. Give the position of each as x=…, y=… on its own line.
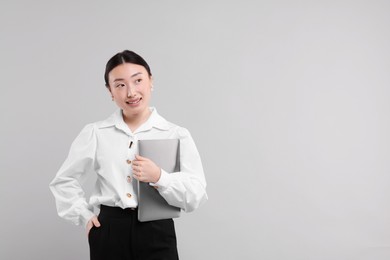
x=92, y=222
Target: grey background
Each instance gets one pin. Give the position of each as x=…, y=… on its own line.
x=288, y=102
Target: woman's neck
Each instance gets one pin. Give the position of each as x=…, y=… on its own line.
x=134, y=121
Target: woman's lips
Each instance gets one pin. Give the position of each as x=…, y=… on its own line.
x=133, y=101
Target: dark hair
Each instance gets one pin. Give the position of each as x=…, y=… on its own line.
x=125, y=56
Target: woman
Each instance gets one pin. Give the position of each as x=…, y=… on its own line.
x=109, y=149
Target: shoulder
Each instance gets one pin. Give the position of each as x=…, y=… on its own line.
x=111, y=120
x=181, y=132
x=87, y=132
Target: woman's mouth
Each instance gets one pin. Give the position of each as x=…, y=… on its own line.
x=133, y=102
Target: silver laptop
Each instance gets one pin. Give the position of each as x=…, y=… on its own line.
x=166, y=154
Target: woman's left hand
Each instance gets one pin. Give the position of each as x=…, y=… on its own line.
x=145, y=170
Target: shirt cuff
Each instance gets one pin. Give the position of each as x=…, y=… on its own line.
x=164, y=181
x=85, y=216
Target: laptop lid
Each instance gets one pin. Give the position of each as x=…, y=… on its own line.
x=166, y=154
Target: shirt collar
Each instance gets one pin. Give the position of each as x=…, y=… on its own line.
x=154, y=120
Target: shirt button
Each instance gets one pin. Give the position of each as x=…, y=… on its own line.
x=128, y=161
x=128, y=179
x=128, y=195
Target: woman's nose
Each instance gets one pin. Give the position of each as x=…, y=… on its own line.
x=130, y=91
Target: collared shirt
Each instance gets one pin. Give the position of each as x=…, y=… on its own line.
x=107, y=149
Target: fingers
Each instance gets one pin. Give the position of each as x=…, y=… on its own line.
x=95, y=222
x=144, y=169
x=136, y=175
x=91, y=223
x=139, y=157
x=137, y=172
x=137, y=168
x=139, y=176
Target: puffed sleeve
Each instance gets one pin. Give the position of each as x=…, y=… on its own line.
x=66, y=186
x=185, y=189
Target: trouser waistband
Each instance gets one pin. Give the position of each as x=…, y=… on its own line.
x=117, y=211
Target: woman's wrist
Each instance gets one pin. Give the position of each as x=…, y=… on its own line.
x=158, y=175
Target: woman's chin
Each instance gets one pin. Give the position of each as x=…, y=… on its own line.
x=134, y=109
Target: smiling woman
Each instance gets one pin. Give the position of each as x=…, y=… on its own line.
x=130, y=86
x=109, y=149
x=129, y=80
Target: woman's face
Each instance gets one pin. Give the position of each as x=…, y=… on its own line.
x=130, y=86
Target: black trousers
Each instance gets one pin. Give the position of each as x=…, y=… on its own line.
x=122, y=237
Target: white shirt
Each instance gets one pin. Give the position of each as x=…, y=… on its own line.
x=103, y=148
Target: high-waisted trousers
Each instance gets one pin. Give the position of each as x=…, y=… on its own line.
x=122, y=237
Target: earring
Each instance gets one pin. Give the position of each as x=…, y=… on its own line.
x=112, y=97
x=151, y=88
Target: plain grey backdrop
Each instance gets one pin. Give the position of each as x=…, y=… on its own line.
x=288, y=102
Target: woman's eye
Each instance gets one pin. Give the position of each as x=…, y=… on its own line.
x=120, y=85
x=138, y=81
